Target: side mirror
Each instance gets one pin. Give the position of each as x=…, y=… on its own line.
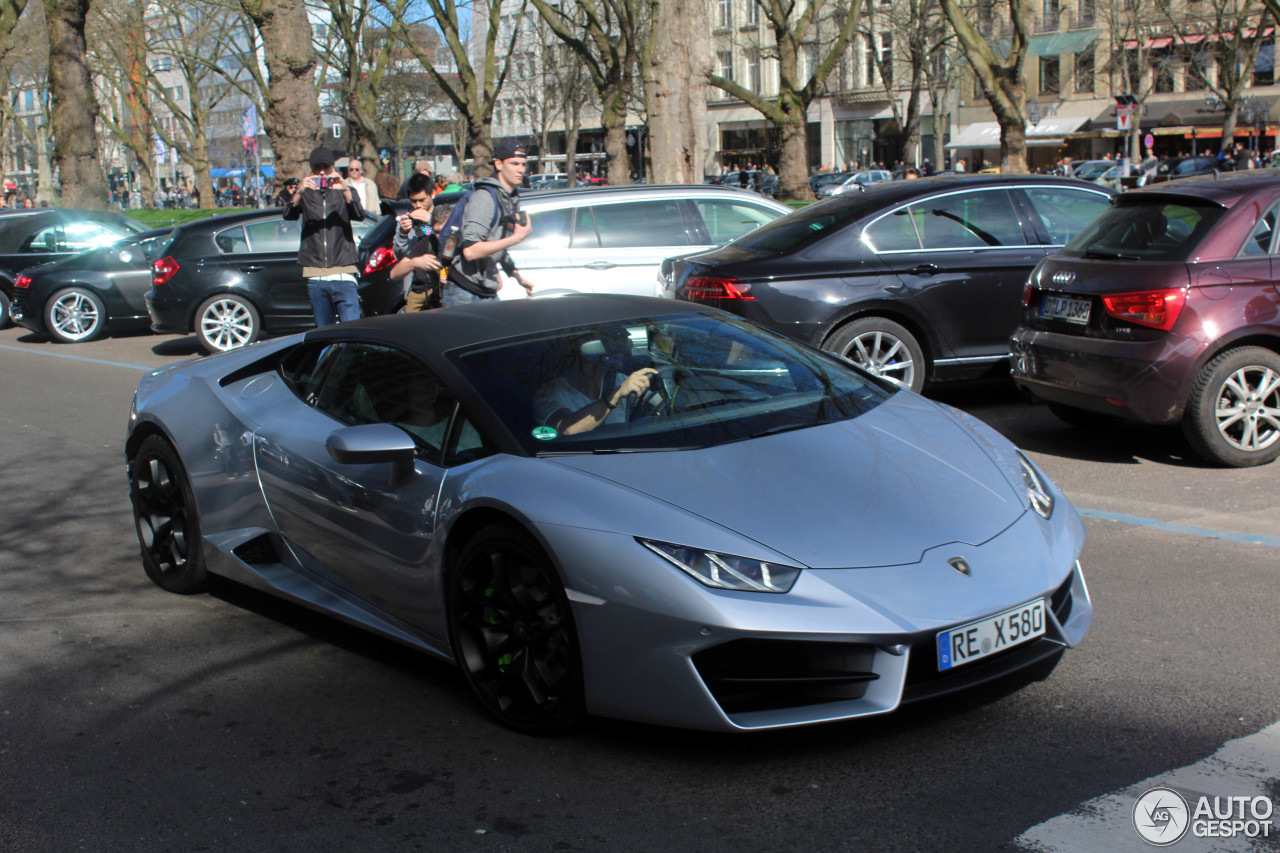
x=374, y=443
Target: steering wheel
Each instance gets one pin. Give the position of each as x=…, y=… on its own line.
x=661, y=382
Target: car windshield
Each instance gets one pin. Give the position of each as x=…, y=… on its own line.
x=1146, y=229
x=807, y=224
x=711, y=381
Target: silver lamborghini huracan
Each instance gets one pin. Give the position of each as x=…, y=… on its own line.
x=614, y=505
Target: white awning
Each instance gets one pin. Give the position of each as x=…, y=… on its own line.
x=1048, y=131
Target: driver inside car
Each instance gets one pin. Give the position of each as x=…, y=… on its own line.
x=592, y=390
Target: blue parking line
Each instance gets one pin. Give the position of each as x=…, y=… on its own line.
x=1175, y=527
x=26, y=351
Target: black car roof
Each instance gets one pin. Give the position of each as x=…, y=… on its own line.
x=222, y=220
x=893, y=192
x=463, y=325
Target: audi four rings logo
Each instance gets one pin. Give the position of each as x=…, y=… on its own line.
x=1063, y=277
x=960, y=565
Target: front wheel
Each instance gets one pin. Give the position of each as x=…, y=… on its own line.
x=74, y=315
x=512, y=632
x=1233, y=413
x=881, y=347
x=166, y=519
x=225, y=322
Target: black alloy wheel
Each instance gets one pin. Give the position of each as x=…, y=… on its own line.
x=165, y=516
x=512, y=632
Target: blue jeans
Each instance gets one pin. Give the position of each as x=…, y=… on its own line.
x=333, y=301
x=454, y=295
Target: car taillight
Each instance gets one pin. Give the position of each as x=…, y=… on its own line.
x=381, y=258
x=22, y=282
x=702, y=287
x=1028, y=293
x=1158, y=309
x=163, y=270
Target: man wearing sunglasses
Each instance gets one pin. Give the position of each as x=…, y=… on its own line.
x=363, y=186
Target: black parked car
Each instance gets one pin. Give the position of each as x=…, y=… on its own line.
x=231, y=279
x=81, y=297
x=914, y=280
x=43, y=234
x=1185, y=167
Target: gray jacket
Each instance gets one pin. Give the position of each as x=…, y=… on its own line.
x=479, y=225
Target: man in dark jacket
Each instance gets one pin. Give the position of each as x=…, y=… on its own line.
x=327, y=207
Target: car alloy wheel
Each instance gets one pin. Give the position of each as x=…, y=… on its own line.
x=1233, y=413
x=74, y=316
x=512, y=632
x=165, y=516
x=226, y=322
x=883, y=348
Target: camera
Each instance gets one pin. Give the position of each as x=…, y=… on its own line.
x=324, y=182
x=514, y=219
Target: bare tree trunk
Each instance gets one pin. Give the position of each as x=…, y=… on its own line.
x=793, y=159
x=292, y=119
x=614, y=121
x=678, y=59
x=74, y=108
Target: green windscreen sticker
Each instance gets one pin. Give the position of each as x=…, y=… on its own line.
x=544, y=433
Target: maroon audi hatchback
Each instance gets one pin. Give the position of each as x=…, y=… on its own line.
x=1166, y=310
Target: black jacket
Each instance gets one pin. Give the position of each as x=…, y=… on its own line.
x=326, y=216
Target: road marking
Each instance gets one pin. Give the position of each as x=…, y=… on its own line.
x=1247, y=767
x=1175, y=527
x=27, y=351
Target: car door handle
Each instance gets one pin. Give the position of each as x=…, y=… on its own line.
x=894, y=288
x=600, y=265
x=253, y=268
x=923, y=269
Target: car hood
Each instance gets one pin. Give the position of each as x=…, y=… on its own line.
x=878, y=490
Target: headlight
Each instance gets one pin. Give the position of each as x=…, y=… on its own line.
x=722, y=571
x=1038, y=497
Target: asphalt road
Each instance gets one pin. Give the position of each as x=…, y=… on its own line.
x=136, y=720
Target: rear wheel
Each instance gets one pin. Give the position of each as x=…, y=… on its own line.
x=74, y=315
x=225, y=322
x=1233, y=413
x=165, y=516
x=5, y=319
x=1083, y=418
x=512, y=632
x=882, y=347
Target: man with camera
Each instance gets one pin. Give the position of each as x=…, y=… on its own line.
x=416, y=246
x=327, y=252
x=492, y=222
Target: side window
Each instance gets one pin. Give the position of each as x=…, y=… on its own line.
x=365, y=384
x=1260, y=239
x=584, y=230
x=47, y=239
x=893, y=233
x=466, y=443
x=550, y=230
x=231, y=241
x=971, y=220
x=638, y=224
x=85, y=234
x=726, y=220
x=1065, y=212
x=272, y=235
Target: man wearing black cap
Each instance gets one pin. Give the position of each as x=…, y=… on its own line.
x=491, y=223
x=327, y=207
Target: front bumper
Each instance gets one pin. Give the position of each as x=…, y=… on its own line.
x=168, y=315
x=844, y=643
x=1143, y=381
x=24, y=314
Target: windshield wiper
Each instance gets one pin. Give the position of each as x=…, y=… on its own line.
x=774, y=430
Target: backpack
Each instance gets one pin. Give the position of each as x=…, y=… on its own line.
x=451, y=231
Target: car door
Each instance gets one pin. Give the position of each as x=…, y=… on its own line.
x=266, y=259
x=544, y=257
x=1254, y=268
x=622, y=243
x=348, y=522
x=967, y=276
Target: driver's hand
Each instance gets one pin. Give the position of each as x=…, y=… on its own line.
x=636, y=383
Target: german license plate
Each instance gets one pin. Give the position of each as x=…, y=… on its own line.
x=967, y=643
x=1065, y=308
